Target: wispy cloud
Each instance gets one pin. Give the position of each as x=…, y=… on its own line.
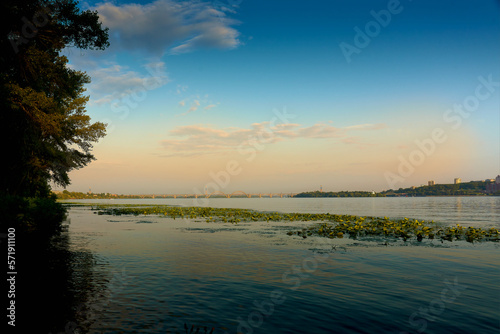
x=367, y=127
x=181, y=89
x=168, y=26
x=115, y=82
x=199, y=139
x=196, y=102
x=194, y=106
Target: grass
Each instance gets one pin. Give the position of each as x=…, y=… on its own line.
x=329, y=225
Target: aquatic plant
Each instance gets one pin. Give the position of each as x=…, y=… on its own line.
x=402, y=228
x=330, y=225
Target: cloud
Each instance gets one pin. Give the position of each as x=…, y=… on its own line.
x=194, y=107
x=212, y=37
x=351, y=140
x=367, y=127
x=198, y=139
x=196, y=103
x=181, y=89
x=202, y=140
x=117, y=82
x=225, y=6
x=320, y=131
x=168, y=26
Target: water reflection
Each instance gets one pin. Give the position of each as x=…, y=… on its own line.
x=57, y=283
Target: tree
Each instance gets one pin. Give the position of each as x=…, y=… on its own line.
x=43, y=123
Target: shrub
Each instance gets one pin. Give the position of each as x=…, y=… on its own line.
x=41, y=216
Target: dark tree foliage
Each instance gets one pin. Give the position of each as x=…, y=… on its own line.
x=473, y=188
x=44, y=127
x=338, y=194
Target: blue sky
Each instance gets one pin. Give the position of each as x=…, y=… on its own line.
x=186, y=86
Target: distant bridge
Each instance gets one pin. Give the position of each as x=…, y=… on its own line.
x=218, y=193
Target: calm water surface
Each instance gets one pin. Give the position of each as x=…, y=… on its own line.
x=146, y=274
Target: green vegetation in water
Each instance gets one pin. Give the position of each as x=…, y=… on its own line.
x=330, y=226
x=211, y=214
x=403, y=228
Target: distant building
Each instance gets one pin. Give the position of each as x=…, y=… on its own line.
x=458, y=180
x=413, y=187
x=320, y=189
x=489, y=180
x=493, y=187
x=431, y=183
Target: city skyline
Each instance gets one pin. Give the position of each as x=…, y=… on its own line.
x=360, y=96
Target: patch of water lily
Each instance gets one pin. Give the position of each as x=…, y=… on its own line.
x=329, y=225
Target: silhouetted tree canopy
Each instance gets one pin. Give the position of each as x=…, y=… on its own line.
x=44, y=126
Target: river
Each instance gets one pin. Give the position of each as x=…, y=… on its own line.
x=147, y=274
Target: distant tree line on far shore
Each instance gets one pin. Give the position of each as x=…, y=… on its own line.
x=473, y=188
x=79, y=195
x=339, y=194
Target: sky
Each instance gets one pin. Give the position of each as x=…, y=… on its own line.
x=291, y=96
